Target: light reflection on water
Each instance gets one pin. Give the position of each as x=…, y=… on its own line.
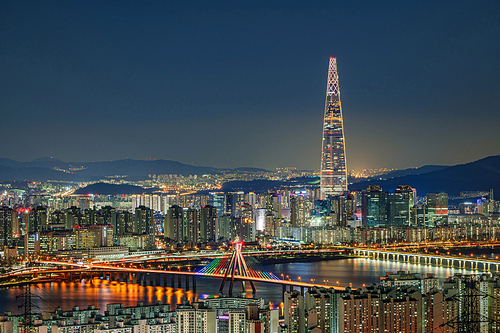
x=357, y=271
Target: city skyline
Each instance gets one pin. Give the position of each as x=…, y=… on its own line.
x=242, y=84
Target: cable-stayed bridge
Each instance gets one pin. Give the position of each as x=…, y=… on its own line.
x=219, y=266
x=230, y=268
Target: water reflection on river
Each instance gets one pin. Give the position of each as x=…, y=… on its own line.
x=355, y=271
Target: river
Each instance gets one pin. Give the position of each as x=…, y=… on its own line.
x=355, y=271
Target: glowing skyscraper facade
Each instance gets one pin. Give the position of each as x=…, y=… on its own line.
x=333, y=172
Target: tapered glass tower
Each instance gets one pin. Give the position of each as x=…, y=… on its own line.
x=333, y=172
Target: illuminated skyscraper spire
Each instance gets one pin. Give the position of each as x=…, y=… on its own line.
x=333, y=172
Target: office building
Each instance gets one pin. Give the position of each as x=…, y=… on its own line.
x=374, y=208
x=437, y=209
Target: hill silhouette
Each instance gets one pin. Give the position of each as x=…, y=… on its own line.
x=479, y=175
x=413, y=171
x=48, y=168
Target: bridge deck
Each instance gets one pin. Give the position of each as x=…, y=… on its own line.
x=85, y=268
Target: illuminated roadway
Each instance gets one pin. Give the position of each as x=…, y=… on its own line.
x=88, y=268
x=381, y=254
x=213, y=255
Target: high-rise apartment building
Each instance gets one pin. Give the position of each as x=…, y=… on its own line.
x=320, y=301
x=124, y=223
x=6, y=232
x=109, y=216
x=234, y=200
x=191, y=225
x=341, y=208
x=144, y=222
x=152, y=201
x=94, y=236
x=333, y=171
x=294, y=309
x=208, y=224
x=40, y=215
x=359, y=313
x=173, y=223
x=72, y=217
x=192, y=320
x=299, y=208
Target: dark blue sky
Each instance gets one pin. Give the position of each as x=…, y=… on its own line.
x=229, y=83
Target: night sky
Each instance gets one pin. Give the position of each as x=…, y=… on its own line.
x=242, y=83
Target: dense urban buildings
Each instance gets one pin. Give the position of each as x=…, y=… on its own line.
x=373, y=216
x=84, y=227
x=403, y=302
x=225, y=315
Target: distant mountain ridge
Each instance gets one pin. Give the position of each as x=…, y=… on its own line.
x=480, y=175
x=400, y=173
x=413, y=171
x=48, y=168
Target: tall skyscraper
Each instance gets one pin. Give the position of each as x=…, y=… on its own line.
x=333, y=172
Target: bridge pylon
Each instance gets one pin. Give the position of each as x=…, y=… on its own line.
x=237, y=267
